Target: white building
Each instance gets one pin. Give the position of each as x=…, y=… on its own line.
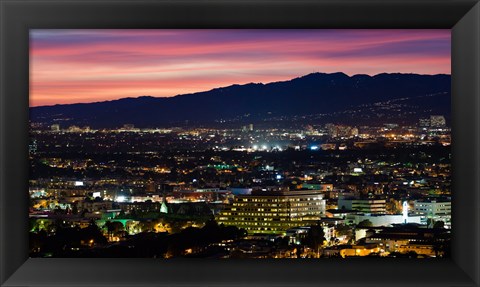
x=433, y=207
x=385, y=220
x=438, y=210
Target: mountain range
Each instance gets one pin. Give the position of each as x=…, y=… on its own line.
x=313, y=98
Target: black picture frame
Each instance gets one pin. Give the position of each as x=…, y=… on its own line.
x=18, y=16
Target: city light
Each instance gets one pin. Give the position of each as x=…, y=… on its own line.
x=121, y=198
x=253, y=156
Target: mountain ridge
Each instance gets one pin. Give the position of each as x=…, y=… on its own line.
x=307, y=94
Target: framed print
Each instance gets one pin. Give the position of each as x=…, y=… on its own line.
x=239, y=143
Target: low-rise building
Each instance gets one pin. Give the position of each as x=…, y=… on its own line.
x=386, y=220
x=403, y=239
x=363, y=205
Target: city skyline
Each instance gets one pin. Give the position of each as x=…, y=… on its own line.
x=284, y=144
x=80, y=66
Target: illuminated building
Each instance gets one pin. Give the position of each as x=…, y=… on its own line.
x=425, y=249
x=359, y=250
x=297, y=234
x=32, y=147
x=341, y=131
x=433, y=207
x=55, y=128
x=405, y=211
x=273, y=211
x=139, y=206
x=164, y=207
x=74, y=129
x=240, y=190
x=328, y=146
x=424, y=122
x=420, y=240
x=377, y=220
x=438, y=210
x=248, y=128
x=437, y=121
x=363, y=205
x=318, y=186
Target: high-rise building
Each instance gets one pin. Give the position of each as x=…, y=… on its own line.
x=437, y=121
x=273, y=212
x=247, y=128
x=32, y=147
x=74, y=129
x=341, y=131
x=55, y=127
x=423, y=123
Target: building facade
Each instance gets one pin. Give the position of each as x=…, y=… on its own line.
x=363, y=205
x=438, y=210
x=273, y=212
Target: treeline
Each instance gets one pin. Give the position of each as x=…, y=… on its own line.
x=90, y=242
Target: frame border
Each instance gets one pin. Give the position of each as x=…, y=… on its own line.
x=18, y=16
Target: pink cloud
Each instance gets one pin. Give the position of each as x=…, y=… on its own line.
x=69, y=66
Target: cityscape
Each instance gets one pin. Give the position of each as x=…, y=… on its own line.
x=314, y=165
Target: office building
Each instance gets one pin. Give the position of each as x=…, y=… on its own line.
x=437, y=121
x=435, y=209
x=273, y=212
x=55, y=128
x=363, y=205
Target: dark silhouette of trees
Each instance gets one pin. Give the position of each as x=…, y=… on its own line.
x=315, y=238
x=114, y=228
x=364, y=223
x=439, y=224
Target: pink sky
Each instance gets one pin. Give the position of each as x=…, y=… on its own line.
x=80, y=66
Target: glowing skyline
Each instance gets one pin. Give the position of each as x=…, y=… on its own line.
x=74, y=66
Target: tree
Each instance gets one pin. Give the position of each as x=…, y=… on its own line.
x=314, y=238
x=74, y=209
x=334, y=241
x=147, y=226
x=58, y=210
x=114, y=228
x=121, y=214
x=283, y=242
x=429, y=222
x=84, y=211
x=439, y=224
x=412, y=254
x=364, y=223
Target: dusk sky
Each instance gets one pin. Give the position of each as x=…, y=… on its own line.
x=81, y=66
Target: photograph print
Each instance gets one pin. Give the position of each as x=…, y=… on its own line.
x=236, y=143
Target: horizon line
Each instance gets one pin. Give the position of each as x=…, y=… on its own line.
x=237, y=84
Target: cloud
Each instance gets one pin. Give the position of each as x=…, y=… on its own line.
x=95, y=65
